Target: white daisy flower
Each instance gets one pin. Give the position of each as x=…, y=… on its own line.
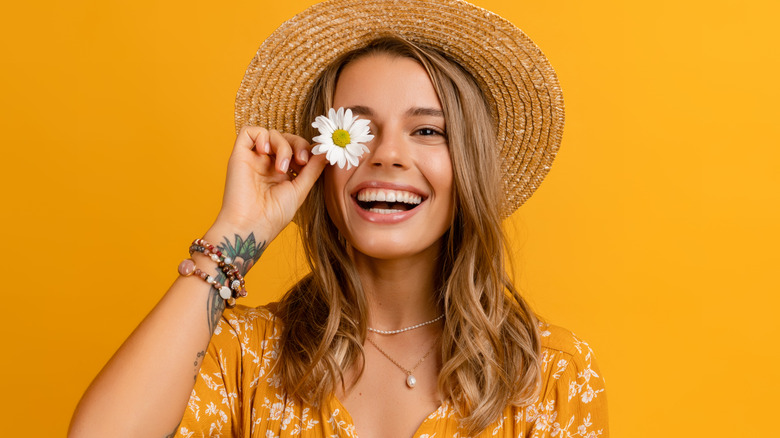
x=341, y=137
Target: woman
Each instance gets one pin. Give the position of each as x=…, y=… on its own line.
x=408, y=324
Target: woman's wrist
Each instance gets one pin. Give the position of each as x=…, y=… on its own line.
x=242, y=248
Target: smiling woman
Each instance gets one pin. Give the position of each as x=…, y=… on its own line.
x=408, y=324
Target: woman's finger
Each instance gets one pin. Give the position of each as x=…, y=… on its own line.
x=282, y=149
x=301, y=148
x=308, y=176
x=253, y=137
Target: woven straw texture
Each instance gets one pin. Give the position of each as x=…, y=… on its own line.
x=517, y=79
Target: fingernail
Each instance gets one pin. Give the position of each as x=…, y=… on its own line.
x=284, y=165
x=304, y=155
x=267, y=148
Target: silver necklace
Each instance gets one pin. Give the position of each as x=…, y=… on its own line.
x=393, y=332
x=411, y=381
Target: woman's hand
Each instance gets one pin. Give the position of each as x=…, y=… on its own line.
x=261, y=193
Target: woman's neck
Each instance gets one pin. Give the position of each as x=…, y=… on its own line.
x=400, y=292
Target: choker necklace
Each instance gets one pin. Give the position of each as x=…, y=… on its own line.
x=410, y=379
x=393, y=332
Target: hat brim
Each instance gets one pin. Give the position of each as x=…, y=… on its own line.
x=517, y=79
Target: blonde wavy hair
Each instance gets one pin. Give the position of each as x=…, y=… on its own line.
x=490, y=345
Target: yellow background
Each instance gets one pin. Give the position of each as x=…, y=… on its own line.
x=654, y=237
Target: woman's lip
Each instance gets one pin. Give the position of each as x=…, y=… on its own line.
x=380, y=218
x=388, y=186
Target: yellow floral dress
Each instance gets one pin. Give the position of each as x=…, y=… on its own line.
x=234, y=396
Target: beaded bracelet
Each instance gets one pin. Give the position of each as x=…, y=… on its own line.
x=187, y=267
x=225, y=264
x=235, y=280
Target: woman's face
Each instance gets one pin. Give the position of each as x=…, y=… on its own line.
x=399, y=201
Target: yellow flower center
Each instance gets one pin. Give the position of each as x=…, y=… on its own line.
x=341, y=138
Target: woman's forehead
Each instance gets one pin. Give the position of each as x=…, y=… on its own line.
x=380, y=83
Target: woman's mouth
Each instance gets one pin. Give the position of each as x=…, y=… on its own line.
x=387, y=201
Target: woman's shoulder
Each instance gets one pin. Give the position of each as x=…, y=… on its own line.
x=569, y=365
x=572, y=393
x=558, y=339
x=562, y=350
x=262, y=314
x=247, y=324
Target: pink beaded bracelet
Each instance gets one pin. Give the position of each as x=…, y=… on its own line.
x=187, y=267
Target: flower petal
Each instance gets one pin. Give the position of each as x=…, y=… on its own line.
x=354, y=150
x=351, y=159
x=320, y=149
x=332, y=155
x=342, y=159
x=348, y=120
x=365, y=138
x=338, y=117
x=324, y=125
x=360, y=126
x=323, y=139
x=331, y=125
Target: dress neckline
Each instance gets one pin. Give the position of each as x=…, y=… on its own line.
x=337, y=404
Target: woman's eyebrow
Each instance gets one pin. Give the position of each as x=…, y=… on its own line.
x=424, y=111
x=364, y=111
x=360, y=110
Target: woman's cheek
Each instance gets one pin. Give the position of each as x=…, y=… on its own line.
x=336, y=197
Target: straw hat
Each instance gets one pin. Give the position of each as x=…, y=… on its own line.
x=520, y=85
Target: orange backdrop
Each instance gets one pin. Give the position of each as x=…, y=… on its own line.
x=654, y=236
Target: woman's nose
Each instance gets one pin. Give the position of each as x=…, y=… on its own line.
x=390, y=150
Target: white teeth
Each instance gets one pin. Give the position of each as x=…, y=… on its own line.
x=384, y=210
x=382, y=195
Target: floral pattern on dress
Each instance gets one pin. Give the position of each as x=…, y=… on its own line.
x=572, y=402
x=236, y=395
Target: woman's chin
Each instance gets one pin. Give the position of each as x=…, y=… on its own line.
x=393, y=249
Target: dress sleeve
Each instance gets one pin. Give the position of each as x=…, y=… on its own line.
x=214, y=407
x=573, y=402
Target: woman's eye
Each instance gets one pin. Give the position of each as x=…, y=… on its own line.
x=428, y=131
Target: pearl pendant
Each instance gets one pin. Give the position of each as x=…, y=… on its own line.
x=411, y=381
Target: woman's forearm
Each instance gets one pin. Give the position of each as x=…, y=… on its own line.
x=144, y=388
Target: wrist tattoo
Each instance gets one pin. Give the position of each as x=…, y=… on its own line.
x=244, y=253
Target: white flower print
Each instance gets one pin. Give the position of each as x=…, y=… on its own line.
x=572, y=389
x=588, y=395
